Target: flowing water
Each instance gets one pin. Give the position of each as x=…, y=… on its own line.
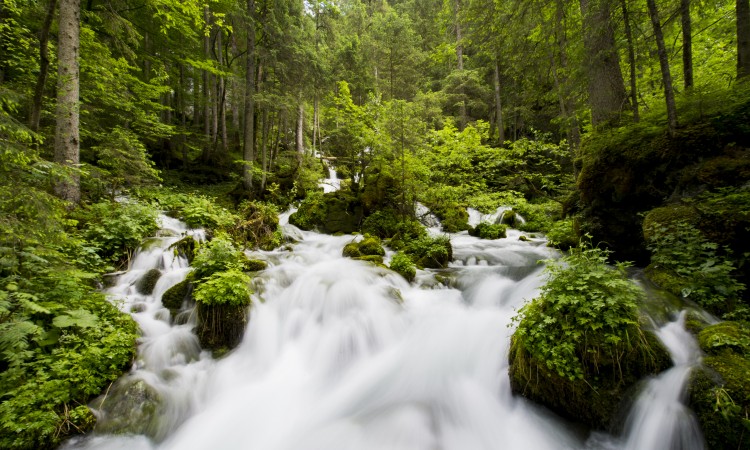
x=343, y=355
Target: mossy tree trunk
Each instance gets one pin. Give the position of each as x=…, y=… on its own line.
x=606, y=87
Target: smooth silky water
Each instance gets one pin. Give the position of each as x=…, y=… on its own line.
x=343, y=355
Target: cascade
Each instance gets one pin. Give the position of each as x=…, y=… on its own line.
x=342, y=354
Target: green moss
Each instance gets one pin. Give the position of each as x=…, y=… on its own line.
x=375, y=259
x=173, y=298
x=185, y=247
x=258, y=226
x=255, y=265
x=485, y=230
x=334, y=212
x=666, y=217
x=220, y=325
x=147, y=282
x=429, y=252
x=368, y=246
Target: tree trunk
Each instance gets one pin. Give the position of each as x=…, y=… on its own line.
x=743, y=38
x=460, y=63
x=631, y=61
x=300, y=128
x=664, y=63
x=264, y=148
x=183, y=118
x=499, y=106
x=41, y=81
x=66, y=131
x=687, y=44
x=206, y=90
x=221, y=96
x=606, y=86
x=249, y=143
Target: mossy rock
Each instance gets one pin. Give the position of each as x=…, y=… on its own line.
x=333, y=212
x=666, y=279
x=255, y=265
x=145, y=285
x=375, y=259
x=403, y=265
x=175, y=296
x=666, y=216
x=131, y=407
x=595, y=401
x=368, y=246
x=185, y=247
x=431, y=253
x=719, y=391
x=511, y=219
x=220, y=326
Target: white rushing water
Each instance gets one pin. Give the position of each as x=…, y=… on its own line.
x=343, y=355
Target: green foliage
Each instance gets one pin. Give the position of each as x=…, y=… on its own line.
x=430, y=252
x=230, y=287
x=217, y=255
x=367, y=246
x=310, y=212
x=383, y=223
x=486, y=230
x=563, y=235
x=258, y=225
x=585, y=315
x=402, y=264
x=703, y=275
x=116, y=228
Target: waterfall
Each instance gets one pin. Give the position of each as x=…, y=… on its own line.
x=332, y=183
x=344, y=355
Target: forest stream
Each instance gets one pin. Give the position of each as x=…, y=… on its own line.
x=343, y=354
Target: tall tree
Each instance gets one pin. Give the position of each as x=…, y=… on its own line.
x=249, y=134
x=67, y=140
x=687, y=44
x=41, y=81
x=606, y=87
x=631, y=59
x=653, y=12
x=743, y=38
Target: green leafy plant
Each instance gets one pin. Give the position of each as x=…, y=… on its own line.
x=486, y=230
x=402, y=264
x=585, y=315
x=216, y=255
x=432, y=252
x=697, y=269
x=231, y=287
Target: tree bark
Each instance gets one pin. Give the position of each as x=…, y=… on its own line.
x=743, y=38
x=499, y=106
x=606, y=86
x=300, y=128
x=249, y=142
x=66, y=131
x=221, y=96
x=264, y=148
x=41, y=81
x=631, y=61
x=206, y=90
x=664, y=63
x=687, y=44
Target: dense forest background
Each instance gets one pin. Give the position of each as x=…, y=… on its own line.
x=584, y=116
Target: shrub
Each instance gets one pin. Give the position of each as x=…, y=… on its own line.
x=692, y=266
x=311, y=212
x=217, y=255
x=430, y=252
x=382, y=223
x=115, y=228
x=258, y=225
x=562, y=235
x=486, y=230
x=402, y=264
x=231, y=287
x=586, y=314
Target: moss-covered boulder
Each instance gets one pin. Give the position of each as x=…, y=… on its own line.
x=719, y=390
x=579, y=348
x=145, y=285
x=185, y=247
x=486, y=230
x=511, y=219
x=630, y=170
x=222, y=302
x=453, y=216
x=367, y=246
x=258, y=226
x=175, y=296
x=131, y=407
x=255, y=265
